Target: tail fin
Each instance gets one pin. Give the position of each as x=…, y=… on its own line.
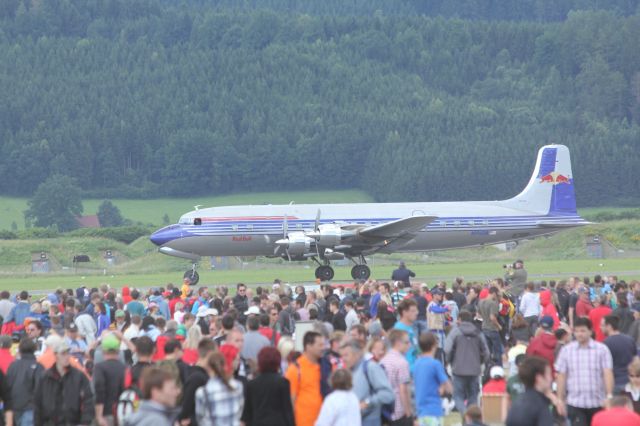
x=550, y=189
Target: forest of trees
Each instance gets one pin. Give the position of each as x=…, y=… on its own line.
x=407, y=99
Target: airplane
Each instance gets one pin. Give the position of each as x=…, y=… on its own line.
x=327, y=232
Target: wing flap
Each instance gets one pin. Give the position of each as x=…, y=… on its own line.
x=397, y=228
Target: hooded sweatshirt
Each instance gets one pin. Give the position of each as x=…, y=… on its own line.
x=466, y=350
x=126, y=295
x=548, y=308
x=543, y=345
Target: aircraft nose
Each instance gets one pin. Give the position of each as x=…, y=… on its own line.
x=166, y=234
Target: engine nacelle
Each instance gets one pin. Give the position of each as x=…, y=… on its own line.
x=330, y=235
x=297, y=243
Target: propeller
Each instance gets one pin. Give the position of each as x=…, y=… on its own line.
x=285, y=240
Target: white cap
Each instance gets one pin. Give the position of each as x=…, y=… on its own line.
x=204, y=311
x=496, y=371
x=253, y=310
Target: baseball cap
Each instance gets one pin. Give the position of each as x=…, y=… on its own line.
x=204, y=311
x=72, y=327
x=546, y=322
x=253, y=310
x=436, y=292
x=496, y=372
x=110, y=343
x=120, y=313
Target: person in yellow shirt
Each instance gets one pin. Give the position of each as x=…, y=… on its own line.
x=186, y=287
x=304, y=379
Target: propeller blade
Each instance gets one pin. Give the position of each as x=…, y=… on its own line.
x=317, y=224
x=285, y=226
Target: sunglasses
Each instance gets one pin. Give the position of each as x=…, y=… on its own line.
x=635, y=376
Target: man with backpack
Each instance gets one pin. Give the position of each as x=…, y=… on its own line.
x=370, y=383
x=466, y=350
x=108, y=381
x=23, y=376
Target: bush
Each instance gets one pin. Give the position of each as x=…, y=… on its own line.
x=7, y=235
x=34, y=233
x=124, y=234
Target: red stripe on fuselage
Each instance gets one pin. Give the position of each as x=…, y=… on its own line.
x=237, y=218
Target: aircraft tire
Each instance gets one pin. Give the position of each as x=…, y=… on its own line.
x=360, y=272
x=325, y=273
x=193, y=276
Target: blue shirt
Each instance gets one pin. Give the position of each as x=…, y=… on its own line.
x=135, y=308
x=412, y=353
x=428, y=375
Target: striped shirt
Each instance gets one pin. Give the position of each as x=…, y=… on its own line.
x=396, y=367
x=584, y=367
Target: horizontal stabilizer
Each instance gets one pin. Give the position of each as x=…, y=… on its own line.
x=560, y=225
x=397, y=228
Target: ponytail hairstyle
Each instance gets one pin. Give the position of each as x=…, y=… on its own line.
x=217, y=363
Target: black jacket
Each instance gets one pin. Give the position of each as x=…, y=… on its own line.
x=63, y=401
x=23, y=377
x=530, y=409
x=268, y=402
x=338, y=322
x=197, y=377
x=403, y=274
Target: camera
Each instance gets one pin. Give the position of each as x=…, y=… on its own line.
x=507, y=266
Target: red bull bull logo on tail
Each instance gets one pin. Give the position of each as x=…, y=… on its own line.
x=555, y=178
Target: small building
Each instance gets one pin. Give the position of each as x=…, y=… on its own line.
x=91, y=221
x=40, y=263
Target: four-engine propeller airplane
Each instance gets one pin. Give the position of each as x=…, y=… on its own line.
x=326, y=232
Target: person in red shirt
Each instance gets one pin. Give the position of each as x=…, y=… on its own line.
x=5, y=353
x=600, y=311
x=620, y=412
x=544, y=344
x=497, y=383
x=175, y=298
x=549, y=309
x=583, y=306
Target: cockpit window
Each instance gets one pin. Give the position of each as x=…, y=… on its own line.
x=197, y=221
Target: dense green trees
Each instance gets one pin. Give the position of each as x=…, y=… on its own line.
x=145, y=98
x=109, y=214
x=56, y=203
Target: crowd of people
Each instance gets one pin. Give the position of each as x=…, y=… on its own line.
x=366, y=353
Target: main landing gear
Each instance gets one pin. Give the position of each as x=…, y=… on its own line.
x=192, y=275
x=361, y=271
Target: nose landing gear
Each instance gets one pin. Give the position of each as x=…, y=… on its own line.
x=192, y=275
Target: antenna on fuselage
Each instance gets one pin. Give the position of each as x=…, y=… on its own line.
x=197, y=207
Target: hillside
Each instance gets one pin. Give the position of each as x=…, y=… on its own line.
x=406, y=100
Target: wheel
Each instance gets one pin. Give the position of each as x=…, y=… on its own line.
x=193, y=276
x=325, y=273
x=360, y=272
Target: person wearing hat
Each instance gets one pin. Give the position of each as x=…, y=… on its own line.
x=544, y=344
x=203, y=317
x=64, y=395
x=108, y=380
x=436, y=319
x=496, y=383
x=77, y=344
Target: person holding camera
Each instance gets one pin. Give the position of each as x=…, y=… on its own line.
x=516, y=276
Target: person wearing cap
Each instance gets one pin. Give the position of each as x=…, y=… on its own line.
x=64, y=395
x=23, y=375
x=78, y=345
x=436, y=319
x=544, y=344
x=108, y=380
x=496, y=383
x=403, y=274
x=203, y=318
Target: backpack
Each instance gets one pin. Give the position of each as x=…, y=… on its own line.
x=507, y=308
x=386, y=411
x=129, y=399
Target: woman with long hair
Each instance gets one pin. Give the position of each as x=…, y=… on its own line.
x=104, y=321
x=268, y=396
x=190, y=346
x=220, y=401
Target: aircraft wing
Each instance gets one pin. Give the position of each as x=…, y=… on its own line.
x=396, y=229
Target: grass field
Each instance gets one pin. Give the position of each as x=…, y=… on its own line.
x=152, y=211
x=303, y=273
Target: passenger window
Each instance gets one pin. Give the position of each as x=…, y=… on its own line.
x=197, y=221
x=250, y=227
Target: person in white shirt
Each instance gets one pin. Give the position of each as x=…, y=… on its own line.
x=341, y=407
x=351, y=318
x=530, y=307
